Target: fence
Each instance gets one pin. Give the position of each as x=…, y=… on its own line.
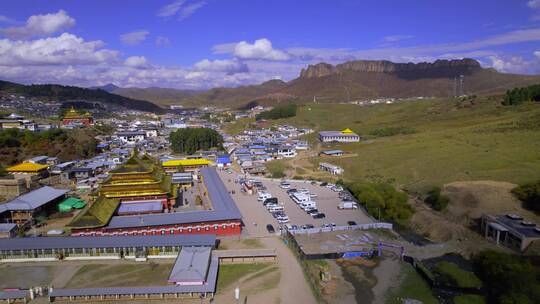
x=343, y=228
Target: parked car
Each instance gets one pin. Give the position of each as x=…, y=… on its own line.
x=291, y=191
x=309, y=226
x=270, y=228
x=318, y=215
x=271, y=200
x=351, y=223
x=285, y=185
x=323, y=184
x=313, y=195
x=311, y=211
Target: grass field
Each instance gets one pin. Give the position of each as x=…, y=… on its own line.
x=238, y=126
x=452, y=141
x=469, y=299
x=453, y=274
x=105, y=275
x=412, y=286
x=228, y=274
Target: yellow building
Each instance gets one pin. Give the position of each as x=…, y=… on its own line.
x=187, y=165
x=27, y=168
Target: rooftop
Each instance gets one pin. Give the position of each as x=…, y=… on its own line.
x=35, y=199
x=191, y=265
x=224, y=208
x=27, y=167
x=106, y=241
x=186, y=162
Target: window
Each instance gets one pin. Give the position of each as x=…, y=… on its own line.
x=224, y=226
x=198, y=228
x=172, y=231
x=215, y=227
x=207, y=228
x=162, y=232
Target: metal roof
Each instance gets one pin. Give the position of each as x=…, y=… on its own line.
x=209, y=287
x=336, y=133
x=224, y=208
x=7, y=227
x=106, y=241
x=191, y=265
x=35, y=199
x=150, y=206
x=14, y=294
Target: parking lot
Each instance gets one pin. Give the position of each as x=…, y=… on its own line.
x=256, y=217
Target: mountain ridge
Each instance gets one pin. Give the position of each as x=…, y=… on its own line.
x=364, y=79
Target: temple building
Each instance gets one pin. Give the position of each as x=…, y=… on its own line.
x=72, y=117
x=139, y=199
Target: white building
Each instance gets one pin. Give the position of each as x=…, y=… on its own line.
x=345, y=136
x=131, y=136
x=336, y=170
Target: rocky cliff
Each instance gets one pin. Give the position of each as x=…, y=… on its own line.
x=439, y=68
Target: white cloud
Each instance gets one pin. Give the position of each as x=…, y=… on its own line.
x=534, y=4
x=40, y=25
x=6, y=19
x=162, y=41
x=260, y=49
x=537, y=54
x=227, y=66
x=134, y=38
x=397, y=38
x=136, y=62
x=171, y=9
x=512, y=64
x=181, y=8
x=65, y=49
x=190, y=9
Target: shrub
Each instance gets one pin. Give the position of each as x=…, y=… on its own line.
x=529, y=194
x=436, y=200
x=278, y=112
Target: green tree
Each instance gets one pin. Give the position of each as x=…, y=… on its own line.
x=529, y=194
x=194, y=139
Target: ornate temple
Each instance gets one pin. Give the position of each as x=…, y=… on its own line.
x=139, y=198
x=72, y=117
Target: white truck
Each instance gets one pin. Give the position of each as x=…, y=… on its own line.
x=347, y=205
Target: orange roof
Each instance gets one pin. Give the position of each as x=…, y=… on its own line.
x=27, y=167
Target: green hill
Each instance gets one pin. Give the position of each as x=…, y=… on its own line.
x=70, y=93
x=446, y=140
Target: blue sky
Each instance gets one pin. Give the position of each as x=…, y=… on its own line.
x=207, y=43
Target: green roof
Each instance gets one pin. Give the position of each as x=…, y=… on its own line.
x=71, y=203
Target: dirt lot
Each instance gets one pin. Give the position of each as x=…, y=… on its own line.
x=468, y=201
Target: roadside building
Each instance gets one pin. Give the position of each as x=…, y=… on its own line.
x=43, y=201
x=223, y=161
x=8, y=230
x=191, y=266
x=188, y=165
x=336, y=170
x=510, y=230
x=344, y=136
x=184, y=179
x=29, y=171
x=332, y=153
x=10, y=186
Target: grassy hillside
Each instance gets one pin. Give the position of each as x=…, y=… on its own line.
x=452, y=141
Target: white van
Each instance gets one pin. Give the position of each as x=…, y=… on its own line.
x=347, y=205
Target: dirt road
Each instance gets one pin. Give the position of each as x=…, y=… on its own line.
x=293, y=287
